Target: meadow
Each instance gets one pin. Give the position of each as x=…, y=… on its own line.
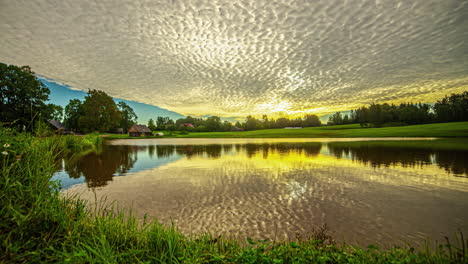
x=455, y=129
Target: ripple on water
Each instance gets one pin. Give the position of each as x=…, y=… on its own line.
x=243, y=193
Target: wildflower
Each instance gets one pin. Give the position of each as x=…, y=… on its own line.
x=4, y=153
x=18, y=157
x=6, y=145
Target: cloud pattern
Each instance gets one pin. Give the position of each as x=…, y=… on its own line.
x=234, y=57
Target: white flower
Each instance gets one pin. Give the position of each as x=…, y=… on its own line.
x=4, y=153
x=6, y=145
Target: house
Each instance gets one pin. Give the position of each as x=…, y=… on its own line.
x=139, y=131
x=58, y=127
x=187, y=125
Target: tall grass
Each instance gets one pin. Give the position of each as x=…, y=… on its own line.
x=38, y=225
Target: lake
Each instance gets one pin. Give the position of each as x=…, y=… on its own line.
x=385, y=192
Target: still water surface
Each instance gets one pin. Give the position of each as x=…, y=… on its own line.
x=366, y=192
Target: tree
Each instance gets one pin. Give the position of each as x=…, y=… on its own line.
x=226, y=126
x=161, y=122
x=335, y=119
x=128, y=116
x=282, y=122
x=100, y=113
x=295, y=122
x=452, y=108
x=170, y=124
x=54, y=112
x=22, y=96
x=213, y=123
x=266, y=122
x=72, y=114
x=311, y=121
x=151, y=125
x=251, y=123
x=346, y=119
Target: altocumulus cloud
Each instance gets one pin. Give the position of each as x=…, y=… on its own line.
x=233, y=58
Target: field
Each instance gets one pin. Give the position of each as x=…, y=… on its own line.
x=456, y=129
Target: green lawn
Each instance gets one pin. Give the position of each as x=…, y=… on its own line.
x=456, y=129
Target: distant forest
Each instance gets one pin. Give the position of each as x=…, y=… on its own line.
x=453, y=108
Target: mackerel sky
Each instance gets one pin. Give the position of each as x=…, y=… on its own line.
x=234, y=58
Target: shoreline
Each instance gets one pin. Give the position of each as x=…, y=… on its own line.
x=437, y=130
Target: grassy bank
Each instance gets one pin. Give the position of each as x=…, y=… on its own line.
x=38, y=225
x=456, y=129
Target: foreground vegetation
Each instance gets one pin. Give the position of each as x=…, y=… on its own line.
x=456, y=129
x=37, y=224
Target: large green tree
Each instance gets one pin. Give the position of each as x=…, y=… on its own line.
x=151, y=125
x=99, y=113
x=162, y=122
x=54, y=112
x=252, y=123
x=452, y=108
x=23, y=97
x=73, y=111
x=213, y=123
x=128, y=116
x=311, y=121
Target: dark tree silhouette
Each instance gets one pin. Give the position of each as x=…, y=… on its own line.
x=23, y=97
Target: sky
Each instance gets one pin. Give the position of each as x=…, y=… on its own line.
x=233, y=58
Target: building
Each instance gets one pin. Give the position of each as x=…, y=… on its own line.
x=139, y=131
x=187, y=125
x=56, y=126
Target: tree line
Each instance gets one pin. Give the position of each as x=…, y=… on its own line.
x=210, y=124
x=453, y=108
x=215, y=124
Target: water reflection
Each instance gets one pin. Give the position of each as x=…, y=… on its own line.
x=377, y=154
x=99, y=168
x=368, y=192
x=117, y=160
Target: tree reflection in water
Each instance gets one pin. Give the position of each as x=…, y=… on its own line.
x=115, y=160
x=453, y=161
x=99, y=168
